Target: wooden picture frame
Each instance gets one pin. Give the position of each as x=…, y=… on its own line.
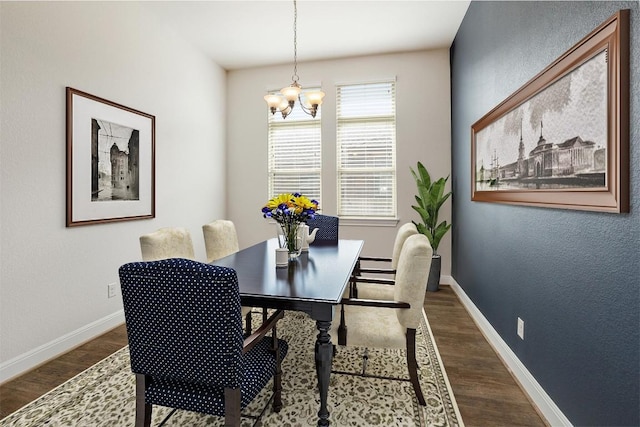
x=562, y=139
x=110, y=161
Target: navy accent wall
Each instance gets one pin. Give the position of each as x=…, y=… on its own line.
x=572, y=276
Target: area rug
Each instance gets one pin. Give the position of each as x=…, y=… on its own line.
x=104, y=394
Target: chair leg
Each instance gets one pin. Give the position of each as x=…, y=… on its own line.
x=232, y=407
x=277, y=377
x=356, y=268
x=353, y=285
x=143, y=409
x=412, y=365
x=247, y=328
x=342, y=328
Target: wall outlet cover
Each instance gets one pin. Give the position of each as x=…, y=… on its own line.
x=521, y=328
x=111, y=290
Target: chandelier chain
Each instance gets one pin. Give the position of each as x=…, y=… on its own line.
x=295, y=76
x=286, y=99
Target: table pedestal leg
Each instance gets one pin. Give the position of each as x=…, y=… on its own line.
x=324, y=358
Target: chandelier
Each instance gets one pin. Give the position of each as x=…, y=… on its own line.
x=285, y=101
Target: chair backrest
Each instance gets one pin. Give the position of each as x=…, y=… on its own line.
x=327, y=229
x=411, y=278
x=183, y=321
x=408, y=229
x=169, y=242
x=220, y=239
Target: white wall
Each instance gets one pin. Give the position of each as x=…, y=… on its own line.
x=53, y=286
x=423, y=134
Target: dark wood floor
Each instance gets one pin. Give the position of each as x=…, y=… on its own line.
x=18, y=392
x=486, y=393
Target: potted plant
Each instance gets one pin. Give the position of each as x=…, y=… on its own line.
x=430, y=199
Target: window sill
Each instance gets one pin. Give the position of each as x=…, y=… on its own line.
x=361, y=222
x=370, y=222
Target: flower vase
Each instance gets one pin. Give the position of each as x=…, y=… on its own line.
x=288, y=237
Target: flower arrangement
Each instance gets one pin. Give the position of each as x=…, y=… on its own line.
x=289, y=210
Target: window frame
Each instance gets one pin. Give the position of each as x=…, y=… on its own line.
x=390, y=119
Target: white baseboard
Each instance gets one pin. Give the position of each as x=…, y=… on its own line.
x=545, y=406
x=33, y=358
x=446, y=280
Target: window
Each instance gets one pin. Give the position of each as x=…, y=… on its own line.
x=295, y=153
x=366, y=141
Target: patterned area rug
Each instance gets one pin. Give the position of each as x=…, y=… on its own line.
x=104, y=394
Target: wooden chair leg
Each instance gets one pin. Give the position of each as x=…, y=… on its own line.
x=232, y=407
x=353, y=285
x=356, y=268
x=247, y=327
x=143, y=409
x=277, y=377
x=412, y=365
x=342, y=328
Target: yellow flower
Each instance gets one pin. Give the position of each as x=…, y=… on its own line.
x=280, y=199
x=303, y=202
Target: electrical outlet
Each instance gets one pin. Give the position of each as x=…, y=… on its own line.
x=521, y=328
x=111, y=290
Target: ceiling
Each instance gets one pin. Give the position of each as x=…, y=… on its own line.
x=242, y=34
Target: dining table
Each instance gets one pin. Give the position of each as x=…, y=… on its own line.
x=313, y=283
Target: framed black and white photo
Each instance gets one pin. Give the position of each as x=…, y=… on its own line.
x=562, y=140
x=110, y=161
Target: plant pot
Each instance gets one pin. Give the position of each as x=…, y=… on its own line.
x=433, y=284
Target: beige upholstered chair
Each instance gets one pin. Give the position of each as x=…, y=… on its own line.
x=169, y=242
x=393, y=323
x=406, y=230
x=377, y=289
x=220, y=240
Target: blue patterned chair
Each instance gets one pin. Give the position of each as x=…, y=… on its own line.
x=185, y=340
x=327, y=229
x=221, y=240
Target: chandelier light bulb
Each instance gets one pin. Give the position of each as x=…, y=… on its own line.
x=291, y=92
x=315, y=98
x=273, y=101
x=283, y=105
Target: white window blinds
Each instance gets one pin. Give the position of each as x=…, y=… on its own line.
x=366, y=146
x=295, y=154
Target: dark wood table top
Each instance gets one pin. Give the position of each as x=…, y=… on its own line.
x=320, y=275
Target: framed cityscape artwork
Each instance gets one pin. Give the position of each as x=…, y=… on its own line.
x=110, y=161
x=562, y=140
